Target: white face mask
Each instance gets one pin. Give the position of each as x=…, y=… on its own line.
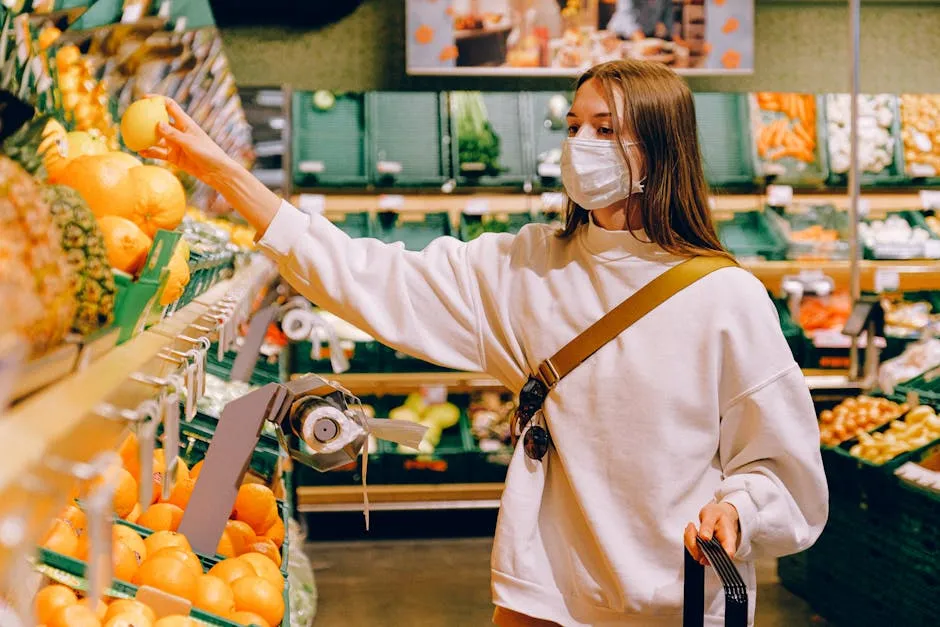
x=594, y=173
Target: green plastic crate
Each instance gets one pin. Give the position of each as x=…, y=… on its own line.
x=892, y=175
x=505, y=113
x=547, y=134
x=723, y=137
x=472, y=226
x=353, y=224
x=923, y=250
x=751, y=235
x=265, y=371
x=450, y=462
x=329, y=146
x=391, y=227
x=827, y=216
x=408, y=138
x=366, y=357
x=792, y=331
x=788, y=170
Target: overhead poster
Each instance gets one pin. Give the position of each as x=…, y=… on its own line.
x=565, y=37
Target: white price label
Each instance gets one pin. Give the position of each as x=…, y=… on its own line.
x=779, y=195
x=930, y=199
x=864, y=206
x=132, y=13
x=388, y=167
x=434, y=394
x=312, y=204
x=552, y=201
x=712, y=203
x=391, y=202
x=477, y=207
x=887, y=280
x=549, y=170
x=311, y=167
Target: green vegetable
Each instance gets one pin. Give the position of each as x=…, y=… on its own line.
x=477, y=143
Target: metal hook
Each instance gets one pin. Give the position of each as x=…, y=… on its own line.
x=171, y=359
x=147, y=379
x=201, y=341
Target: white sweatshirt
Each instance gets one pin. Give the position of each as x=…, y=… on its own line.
x=698, y=401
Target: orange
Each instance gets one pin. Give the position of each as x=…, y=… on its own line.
x=50, y=599
x=167, y=573
x=130, y=455
x=129, y=606
x=102, y=181
x=241, y=535
x=181, y=493
x=177, y=621
x=182, y=555
x=231, y=570
x=123, y=533
x=214, y=596
x=196, y=469
x=127, y=245
x=226, y=548
x=159, y=199
x=77, y=615
x=134, y=516
x=254, y=505
x=131, y=619
x=75, y=518
x=125, y=561
x=61, y=539
x=139, y=123
x=248, y=618
x=125, y=495
x=163, y=539
x=276, y=533
x=161, y=517
x=159, y=470
x=266, y=548
x=178, y=276
x=264, y=568
x=254, y=594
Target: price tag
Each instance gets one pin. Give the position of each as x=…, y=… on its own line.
x=132, y=13
x=921, y=170
x=779, y=195
x=713, y=203
x=552, y=201
x=550, y=170
x=388, y=167
x=887, y=280
x=434, y=394
x=313, y=204
x=311, y=167
x=930, y=199
x=180, y=25
x=864, y=206
x=391, y=202
x=477, y=207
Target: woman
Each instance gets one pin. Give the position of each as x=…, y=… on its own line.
x=696, y=413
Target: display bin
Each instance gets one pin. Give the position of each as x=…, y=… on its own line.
x=489, y=466
x=265, y=371
x=926, y=387
x=920, y=171
x=893, y=174
x=723, y=135
x=408, y=138
x=354, y=225
x=929, y=249
x=891, y=464
x=449, y=463
x=135, y=298
x=195, y=440
x=548, y=133
x=350, y=474
x=329, y=145
x=472, y=226
x=207, y=423
x=414, y=230
x=363, y=357
x=828, y=218
x=505, y=115
x=788, y=170
x=204, y=272
x=792, y=331
x=750, y=235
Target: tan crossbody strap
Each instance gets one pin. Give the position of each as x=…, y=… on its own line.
x=621, y=317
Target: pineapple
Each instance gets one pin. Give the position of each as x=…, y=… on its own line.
x=84, y=248
x=40, y=143
x=30, y=243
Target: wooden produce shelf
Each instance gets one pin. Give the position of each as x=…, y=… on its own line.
x=914, y=275
x=400, y=497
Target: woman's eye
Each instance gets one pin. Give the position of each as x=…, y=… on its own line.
x=605, y=131
x=572, y=131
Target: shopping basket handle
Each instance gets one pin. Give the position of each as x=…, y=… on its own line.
x=693, y=606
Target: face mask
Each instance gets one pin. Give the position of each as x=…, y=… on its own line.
x=594, y=173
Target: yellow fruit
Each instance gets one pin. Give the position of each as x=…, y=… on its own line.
x=140, y=121
x=61, y=539
x=255, y=504
x=102, y=180
x=276, y=533
x=178, y=277
x=164, y=539
x=248, y=618
x=126, y=244
x=161, y=517
x=264, y=547
x=254, y=594
x=188, y=558
x=159, y=199
x=241, y=535
x=167, y=573
x=125, y=491
x=177, y=621
x=231, y=570
x=76, y=615
x=265, y=568
x=225, y=547
x=129, y=606
x=50, y=599
x=214, y=596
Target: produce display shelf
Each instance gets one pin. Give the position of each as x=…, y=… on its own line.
x=402, y=497
x=911, y=275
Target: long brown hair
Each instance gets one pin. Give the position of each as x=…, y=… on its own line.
x=659, y=108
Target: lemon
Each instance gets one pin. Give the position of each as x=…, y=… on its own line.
x=140, y=121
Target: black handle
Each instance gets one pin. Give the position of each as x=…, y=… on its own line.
x=693, y=605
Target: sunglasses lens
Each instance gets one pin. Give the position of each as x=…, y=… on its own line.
x=536, y=442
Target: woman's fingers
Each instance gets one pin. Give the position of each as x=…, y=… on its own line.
x=692, y=545
x=727, y=534
x=709, y=517
x=178, y=118
x=171, y=135
x=156, y=152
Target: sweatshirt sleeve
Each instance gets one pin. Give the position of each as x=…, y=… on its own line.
x=773, y=472
x=424, y=303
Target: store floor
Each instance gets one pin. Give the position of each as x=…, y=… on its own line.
x=445, y=583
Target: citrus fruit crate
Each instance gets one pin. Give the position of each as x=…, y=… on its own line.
x=135, y=298
x=926, y=249
x=194, y=443
x=301, y=359
x=72, y=573
x=205, y=270
x=208, y=424
x=449, y=463
x=751, y=235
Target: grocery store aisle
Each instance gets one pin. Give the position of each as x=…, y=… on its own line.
x=445, y=583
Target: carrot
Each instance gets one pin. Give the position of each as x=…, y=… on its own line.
x=803, y=133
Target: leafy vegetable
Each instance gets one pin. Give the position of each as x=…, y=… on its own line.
x=478, y=144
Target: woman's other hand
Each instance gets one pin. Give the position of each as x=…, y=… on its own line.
x=719, y=520
x=185, y=145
